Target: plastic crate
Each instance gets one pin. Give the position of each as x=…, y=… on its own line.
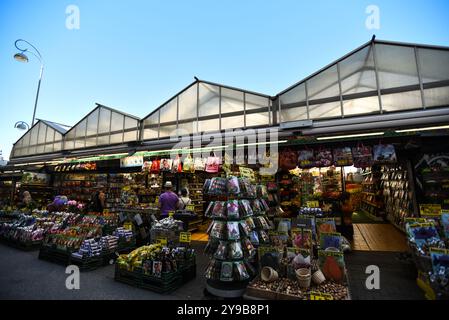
x=55, y=255
x=87, y=264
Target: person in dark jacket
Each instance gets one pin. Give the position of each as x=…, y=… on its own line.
x=98, y=201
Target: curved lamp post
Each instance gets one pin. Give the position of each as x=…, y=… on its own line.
x=22, y=57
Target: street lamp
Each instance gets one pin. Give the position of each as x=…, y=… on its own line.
x=21, y=125
x=22, y=57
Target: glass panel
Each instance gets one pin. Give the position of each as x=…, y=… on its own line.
x=232, y=122
x=31, y=150
x=92, y=123
x=255, y=102
x=396, y=66
x=42, y=133
x=81, y=129
x=50, y=135
x=295, y=95
x=48, y=147
x=79, y=143
x=189, y=127
x=91, y=141
x=357, y=72
x=105, y=119
x=187, y=103
x=58, y=136
x=150, y=133
x=257, y=119
x=130, y=136
x=57, y=146
x=130, y=123
x=26, y=140
x=437, y=97
x=402, y=101
x=325, y=110
x=117, y=122
x=40, y=149
x=231, y=101
x=153, y=119
x=116, y=138
x=33, y=138
x=103, y=139
x=293, y=114
x=167, y=131
x=168, y=111
x=361, y=106
x=209, y=100
x=209, y=125
x=434, y=65
x=324, y=84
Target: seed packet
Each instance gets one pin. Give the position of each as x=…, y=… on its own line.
x=226, y=273
x=302, y=238
x=283, y=224
x=330, y=240
x=305, y=221
x=166, y=165
x=244, y=228
x=232, y=209
x=256, y=207
x=250, y=222
x=264, y=204
x=306, y=159
x=254, y=238
x=323, y=158
x=440, y=258
x=249, y=248
x=246, y=207
x=262, y=191
x=264, y=223
x=445, y=224
x=250, y=268
x=217, y=186
x=325, y=225
x=263, y=237
x=384, y=153
x=343, y=156
x=206, y=186
x=218, y=230
x=208, y=212
x=233, y=231
x=241, y=270
x=332, y=265
x=233, y=185
x=219, y=209
x=221, y=251
x=157, y=269
x=235, y=251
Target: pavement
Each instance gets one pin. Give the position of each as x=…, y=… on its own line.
x=24, y=276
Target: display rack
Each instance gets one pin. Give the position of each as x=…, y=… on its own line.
x=372, y=199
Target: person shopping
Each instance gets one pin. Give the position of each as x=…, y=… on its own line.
x=168, y=201
x=184, y=200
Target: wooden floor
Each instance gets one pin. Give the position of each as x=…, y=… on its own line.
x=378, y=237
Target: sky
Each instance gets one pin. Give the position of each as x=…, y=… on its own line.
x=134, y=55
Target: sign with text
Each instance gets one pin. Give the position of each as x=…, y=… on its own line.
x=133, y=161
x=185, y=237
x=430, y=210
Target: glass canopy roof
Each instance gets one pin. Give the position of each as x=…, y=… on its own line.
x=377, y=78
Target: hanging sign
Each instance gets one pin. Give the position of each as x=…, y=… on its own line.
x=185, y=237
x=430, y=210
x=134, y=161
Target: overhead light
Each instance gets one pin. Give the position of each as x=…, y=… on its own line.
x=21, y=57
x=423, y=129
x=21, y=125
x=370, y=134
x=261, y=143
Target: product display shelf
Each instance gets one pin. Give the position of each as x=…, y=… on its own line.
x=167, y=283
x=222, y=283
x=22, y=245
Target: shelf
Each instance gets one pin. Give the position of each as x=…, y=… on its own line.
x=372, y=204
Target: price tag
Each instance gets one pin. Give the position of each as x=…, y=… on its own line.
x=185, y=237
x=162, y=241
x=156, y=201
x=190, y=207
x=171, y=213
x=247, y=173
x=314, y=295
x=430, y=210
x=313, y=204
x=128, y=226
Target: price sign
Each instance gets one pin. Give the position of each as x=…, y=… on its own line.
x=128, y=226
x=185, y=237
x=315, y=295
x=313, y=204
x=430, y=210
x=171, y=213
x=190, y=207
x=156, y=201
x=247, y=173
x=162, y=241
